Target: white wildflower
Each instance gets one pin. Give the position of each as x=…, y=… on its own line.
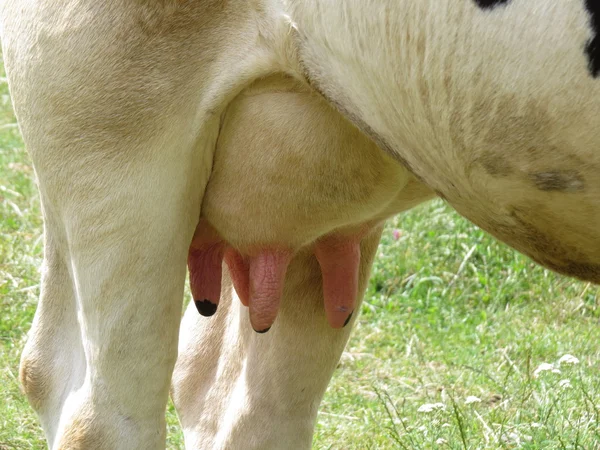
x=536, y=425
x=423, y=429
x=568, y=359
x=472, y=399
x=441, y=441
x=545, y=367
x=564, y=384
x=446, y=425
x=429, y=407
x=511, y=438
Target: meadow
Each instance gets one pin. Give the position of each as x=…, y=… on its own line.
x=461, y=343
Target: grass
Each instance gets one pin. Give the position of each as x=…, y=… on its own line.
x=446, y=351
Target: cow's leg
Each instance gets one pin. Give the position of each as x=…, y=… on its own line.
x=121, y=170
x=234, y=388
x=121, y=175
x=123, y=251
x=53, y=361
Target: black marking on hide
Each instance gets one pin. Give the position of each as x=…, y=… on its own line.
x=490, y=4
x=559, y=180
x=592, y=47
x=205, y=307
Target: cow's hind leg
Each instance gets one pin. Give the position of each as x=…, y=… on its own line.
x=235, y=388
x=121, y=176
x=120, y=270
x=99, y=361
x=53, y=361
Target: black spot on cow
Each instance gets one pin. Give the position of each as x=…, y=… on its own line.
x=489, y=4
x=567, y=181
x=592, y=47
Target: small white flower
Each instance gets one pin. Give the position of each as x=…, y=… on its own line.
x=423, y=429
x=564, y=384
x=511, y=438
x=543, y=367
x=568, y=359
x=429, y=407
x=446, y=425
x=536, y=425
x=472, y=399
x=441, y=441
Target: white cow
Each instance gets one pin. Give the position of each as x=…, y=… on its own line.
x=493, y=105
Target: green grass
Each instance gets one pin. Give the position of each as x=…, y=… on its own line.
x=450, y=313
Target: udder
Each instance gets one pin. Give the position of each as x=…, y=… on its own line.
x=289, y=172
